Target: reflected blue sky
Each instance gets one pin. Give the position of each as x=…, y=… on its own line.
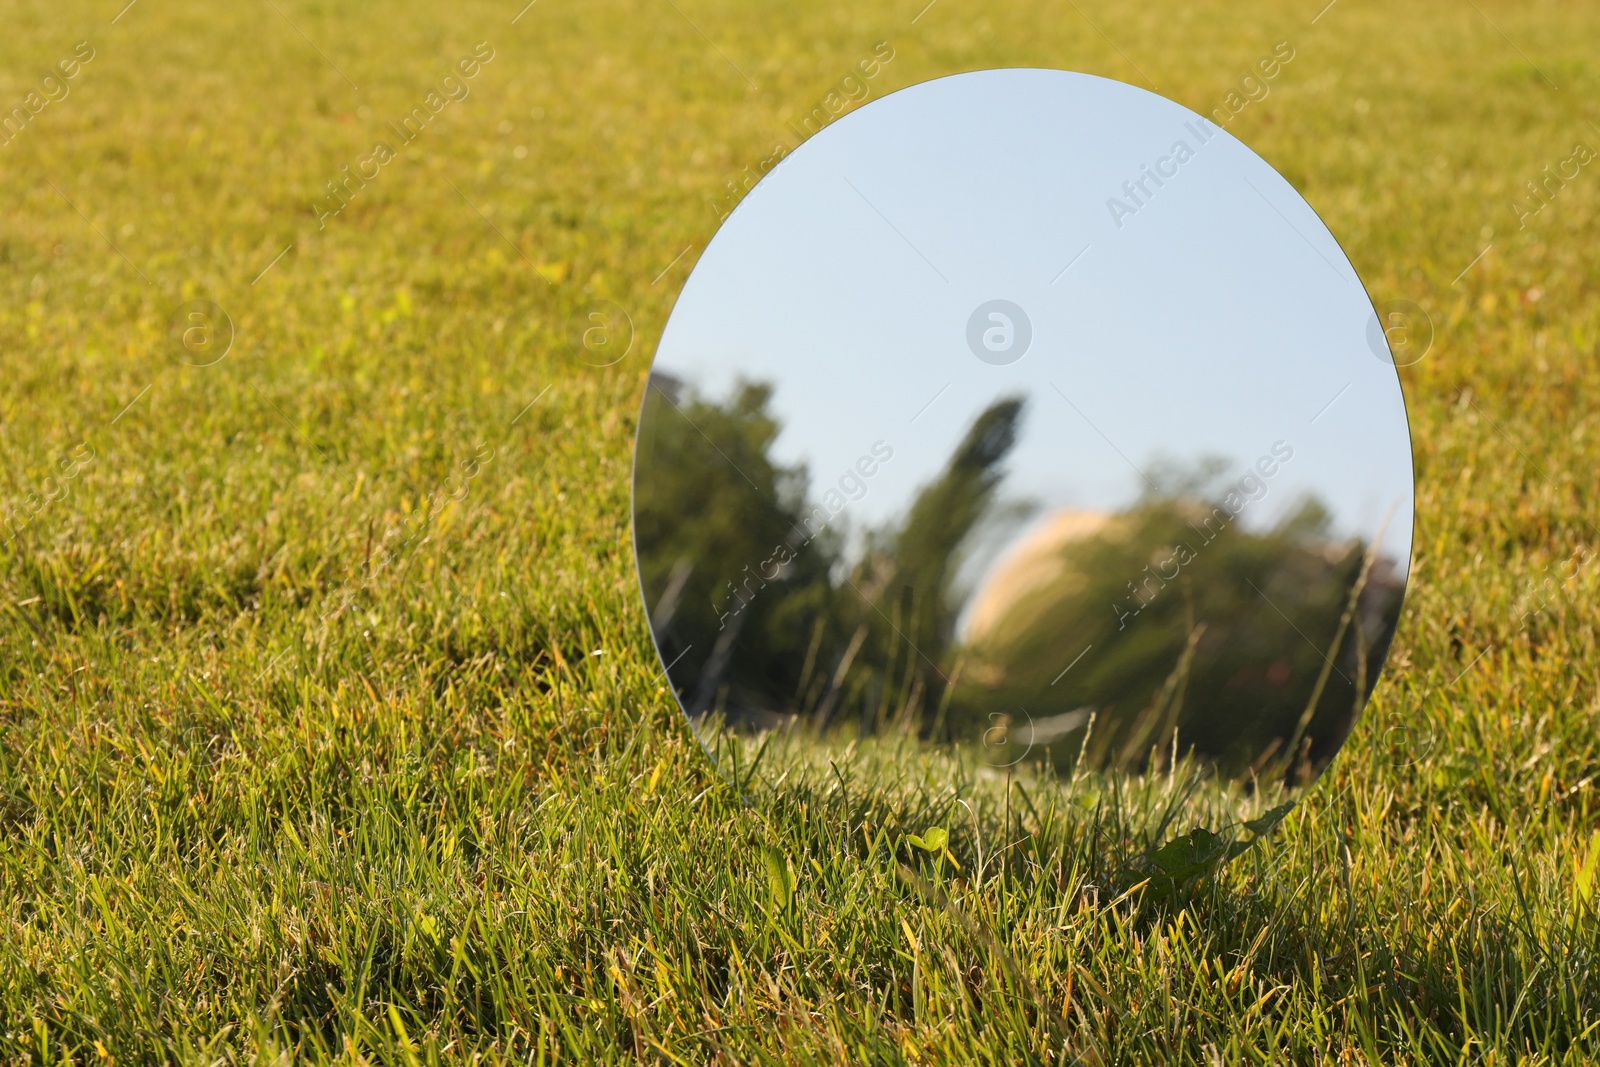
x=1218, y=318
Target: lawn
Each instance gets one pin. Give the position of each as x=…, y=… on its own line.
x=330, y=726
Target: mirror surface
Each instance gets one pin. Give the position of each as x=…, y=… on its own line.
x=1026, y=417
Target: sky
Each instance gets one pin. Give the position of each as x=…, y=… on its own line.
x=1215, y=316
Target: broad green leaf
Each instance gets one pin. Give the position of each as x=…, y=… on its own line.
x=1265, y=822
x=1586, y=870
x=780, y=880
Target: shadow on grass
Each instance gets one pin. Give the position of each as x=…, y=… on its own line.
x=1111, y=920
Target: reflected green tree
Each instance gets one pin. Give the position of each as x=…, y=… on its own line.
x=711, y=515
x=901, y=595
x=1175, y=627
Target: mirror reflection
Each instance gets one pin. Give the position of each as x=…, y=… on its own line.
x=1150, y=508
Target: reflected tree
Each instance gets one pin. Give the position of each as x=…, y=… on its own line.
x=713, y=519
x=1196, y=635
x=903, y=601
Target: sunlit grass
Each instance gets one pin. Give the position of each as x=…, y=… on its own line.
x=329, y=722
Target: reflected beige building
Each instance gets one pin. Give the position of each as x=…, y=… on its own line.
x=1034, y=562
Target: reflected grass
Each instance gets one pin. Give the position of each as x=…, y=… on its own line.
x=1171, y=791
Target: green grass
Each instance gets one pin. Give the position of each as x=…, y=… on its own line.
x=300, y=756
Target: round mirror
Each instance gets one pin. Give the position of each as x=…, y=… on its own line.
x=1024, y=423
